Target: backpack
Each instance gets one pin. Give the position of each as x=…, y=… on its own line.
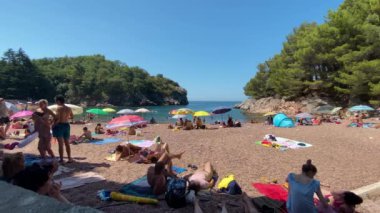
x=176, y=192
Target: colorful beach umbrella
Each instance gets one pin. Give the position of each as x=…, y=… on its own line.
x=22, y=114
x=77, y=110
x=201, y=114
x=126, y=112
x=142, y=110
x=184, y=111
x=125, y=121
x=304, y=115
x=221, y=110
x=97, y=111
x=269, y=114
x=109, y=110
x=172, y=112
x=360, y=108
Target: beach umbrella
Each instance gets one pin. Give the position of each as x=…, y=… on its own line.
x=269, y=114
x=172, y=112
x=221, y=110
x=335, y=110
x=97, y=111
x=11, y=107
x=77, y=110
x=304, y=115
x=126, y=112
x=184, y=111
x=360, y=108
x=22, y=114
x=142, y=110
x=178, y=116
x=125, y=121
x=201, y=114
x=109, y=110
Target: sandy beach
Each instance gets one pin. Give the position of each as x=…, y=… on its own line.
x=346, y=158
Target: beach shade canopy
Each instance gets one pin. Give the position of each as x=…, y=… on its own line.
x=282, y=120
x=109, y=110
x=11, y=107
x=184, y=111
x=269, y=114
x=125, y=121
x=360, y=108
x=221, y=110
x=304, y=115
x=178, y=116
x=335, y=110
x=77, y=110
x=201, y=114
x=97, y=111
x=142, y=110
x=126, y=112
x=325, y=109
x=22, y=114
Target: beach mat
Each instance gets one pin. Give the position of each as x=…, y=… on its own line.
x=141, y=187
x=106, y=141
x=79, y=180
x=141, y=143
x=272, y=191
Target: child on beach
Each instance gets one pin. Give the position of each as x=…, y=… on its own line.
x=302, y=188
x=99, y=129
x=85, y=137
x=343, y=202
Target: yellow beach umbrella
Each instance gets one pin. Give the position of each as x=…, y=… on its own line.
x=270, y=113
x=109, y=110
x=201, y=114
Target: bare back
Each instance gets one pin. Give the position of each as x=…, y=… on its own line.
x=64, y=114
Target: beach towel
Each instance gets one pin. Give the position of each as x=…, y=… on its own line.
x=31, y=159
x=141, y=187
x=283, y=143
x=62, y=169
x=79, y=180
x=105, y=141
x=272, y=191
x=141, y=143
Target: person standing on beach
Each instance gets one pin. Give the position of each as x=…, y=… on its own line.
x=42, y=125
x=4, y=115
x=61, y=127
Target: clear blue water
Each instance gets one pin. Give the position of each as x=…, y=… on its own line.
x=160, y=113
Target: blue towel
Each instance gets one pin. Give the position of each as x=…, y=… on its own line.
x=141, y=187
x=106, y=141
x=31, y=159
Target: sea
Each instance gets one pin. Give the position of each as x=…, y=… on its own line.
x=161, y=113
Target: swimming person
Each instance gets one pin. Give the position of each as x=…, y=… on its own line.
x=61, y=127
x=42, y=126
x=302, y=188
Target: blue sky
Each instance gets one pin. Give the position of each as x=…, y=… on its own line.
x=210, y=47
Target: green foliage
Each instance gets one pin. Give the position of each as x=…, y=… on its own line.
x=338, y=59
x=91, y=79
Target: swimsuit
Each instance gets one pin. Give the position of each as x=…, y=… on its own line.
x=62, y=130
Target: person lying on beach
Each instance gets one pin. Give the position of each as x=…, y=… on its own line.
x=157, y=175
x=202, y=178
x=302, y=188
x=148, y=156
x=99, y=129
x=126, y=150
x=111, y=132
x=39, y=179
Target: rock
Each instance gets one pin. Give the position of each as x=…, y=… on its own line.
x=269, y=104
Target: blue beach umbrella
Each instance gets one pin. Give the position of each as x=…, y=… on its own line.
x=221, y=110
x=361, y=108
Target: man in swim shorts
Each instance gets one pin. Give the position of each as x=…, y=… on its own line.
x=61, y=127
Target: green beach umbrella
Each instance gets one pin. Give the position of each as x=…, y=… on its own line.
x=96, y=111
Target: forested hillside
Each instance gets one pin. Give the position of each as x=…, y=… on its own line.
x=90, y=79
x=339, y=59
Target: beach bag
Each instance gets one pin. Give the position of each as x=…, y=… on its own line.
x=176, y=192
x=233, y=188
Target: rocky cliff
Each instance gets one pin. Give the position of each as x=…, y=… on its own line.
x=269, y=104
